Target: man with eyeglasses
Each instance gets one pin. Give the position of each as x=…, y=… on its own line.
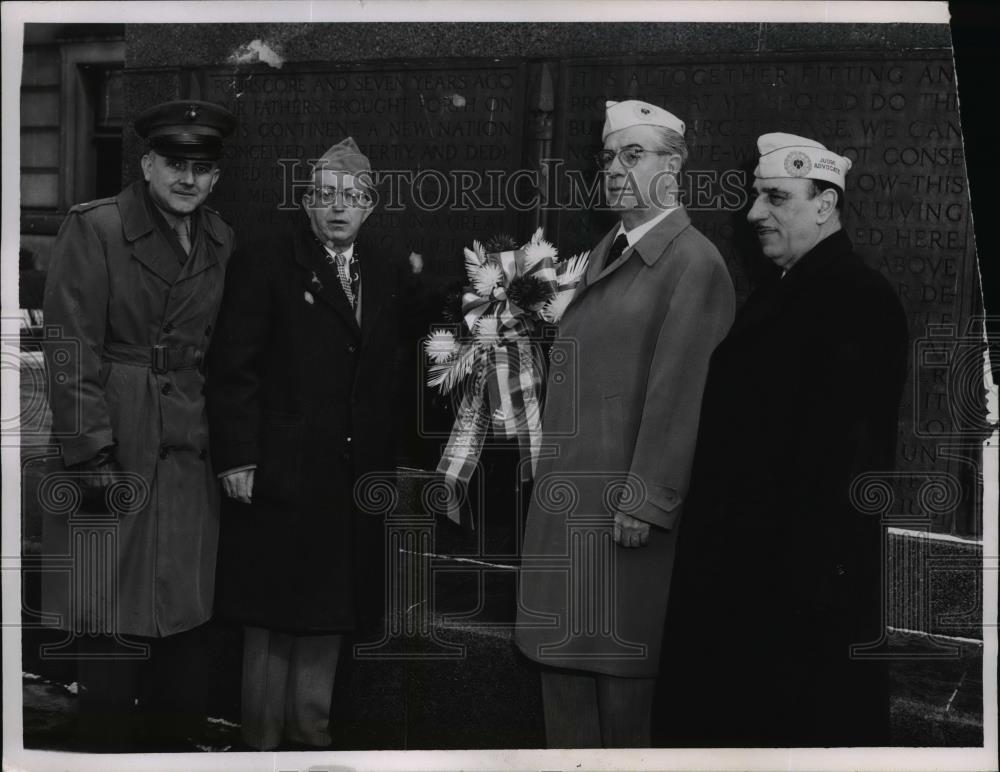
x=133, y=288
x=300, y=401
x=656, y=300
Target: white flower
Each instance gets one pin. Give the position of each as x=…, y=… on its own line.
x=556, y=307
x=538, y=250
x=441, y=346
x=569, y=271
x=472, y=264
x=487, y=277
x=487, y=330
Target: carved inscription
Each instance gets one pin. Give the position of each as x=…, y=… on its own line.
x=907, y=202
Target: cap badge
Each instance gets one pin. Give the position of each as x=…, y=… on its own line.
x=192, y=113
x=797, y=164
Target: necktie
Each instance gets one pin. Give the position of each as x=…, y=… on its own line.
x=182, y=235
x=620, y=245
x=348, y=278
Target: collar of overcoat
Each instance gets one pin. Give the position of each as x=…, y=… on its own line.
x=153, y=252
x=650, y=248
x=772, y=296
x=320, y=278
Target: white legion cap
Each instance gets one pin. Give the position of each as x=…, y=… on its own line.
x=788, y=155
x=632, y=112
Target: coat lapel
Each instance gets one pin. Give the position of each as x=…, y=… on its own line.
x=320, y=278
x=372, y=294
x=770, y=298
x=147, y=247
x=649, y=249
x=207, y=247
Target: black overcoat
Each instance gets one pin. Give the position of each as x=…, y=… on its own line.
x=298, y=388
x=778, y=571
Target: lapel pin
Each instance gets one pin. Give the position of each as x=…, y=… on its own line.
x=308, y=296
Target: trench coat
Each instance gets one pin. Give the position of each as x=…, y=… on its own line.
x=299, y=388
x=619, y=428
x=118, y=285
x=779, y=571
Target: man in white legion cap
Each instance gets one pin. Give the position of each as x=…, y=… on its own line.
x=777, y=607
x=637, y=337
x=300, y=404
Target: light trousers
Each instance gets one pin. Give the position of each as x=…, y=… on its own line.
x=287, y=687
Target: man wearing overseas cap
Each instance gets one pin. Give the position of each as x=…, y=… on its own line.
x=637, y=337
x=300, y=402
x=777, y=607
x=134, y=286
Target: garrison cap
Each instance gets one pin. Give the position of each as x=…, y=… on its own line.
x=789, y=155
x=186, y=128
x=634, y=112
x=345, y=157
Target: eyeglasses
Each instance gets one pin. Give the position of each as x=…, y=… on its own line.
x=628, y=156
x=350, y=196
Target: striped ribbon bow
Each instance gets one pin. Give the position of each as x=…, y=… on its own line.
x=505, y=388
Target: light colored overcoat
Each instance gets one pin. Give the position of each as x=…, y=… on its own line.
x=621, y=419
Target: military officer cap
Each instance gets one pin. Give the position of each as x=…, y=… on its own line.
x=186, y=128
x=788, y=155
x=634, y=112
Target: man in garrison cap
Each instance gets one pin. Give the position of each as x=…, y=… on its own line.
x=775, y=620
x=300, y=402
x=133, y=289
x=656, y=300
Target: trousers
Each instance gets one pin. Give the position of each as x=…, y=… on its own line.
x=287, y=687
x=593, y=710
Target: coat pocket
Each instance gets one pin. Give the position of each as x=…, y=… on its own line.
x=279, y=478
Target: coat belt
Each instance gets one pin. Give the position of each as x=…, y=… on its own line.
x=159, y=358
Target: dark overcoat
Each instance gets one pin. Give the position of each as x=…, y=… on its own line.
x=118, y=285
x=298, y=388
x=621, y=417
x=778, y=570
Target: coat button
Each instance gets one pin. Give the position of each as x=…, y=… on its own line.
x=348, y=440
x=164, y=451
x=202, y=454
x=351, y=348
x=166, y=389
x=168, y=327
x=208, y=331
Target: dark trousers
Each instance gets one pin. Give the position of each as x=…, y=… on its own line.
x=593, y=710
x=128, y=700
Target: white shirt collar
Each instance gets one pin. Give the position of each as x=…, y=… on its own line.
x=637, y=233
x=348, y=253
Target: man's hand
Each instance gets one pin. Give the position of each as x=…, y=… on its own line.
x=98, y=474
x=630, y=532
x=239, y=485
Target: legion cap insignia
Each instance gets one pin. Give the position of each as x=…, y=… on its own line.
x=797, y=164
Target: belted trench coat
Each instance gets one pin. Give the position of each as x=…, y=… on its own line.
x=130, y=317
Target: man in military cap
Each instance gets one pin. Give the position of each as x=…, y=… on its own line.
x=134, y=284
x=776, y=611
x=300, y=401
x=655, y=301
